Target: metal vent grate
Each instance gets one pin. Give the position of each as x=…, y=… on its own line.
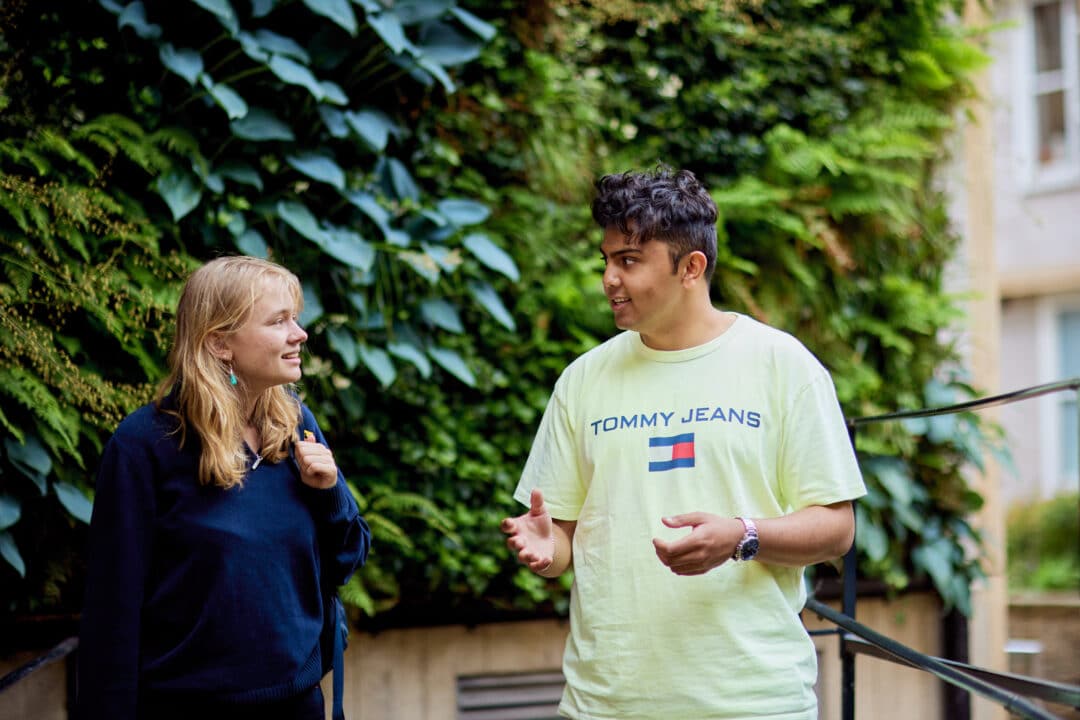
x=517, y=696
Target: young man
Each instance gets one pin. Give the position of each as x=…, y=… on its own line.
x=688, y=469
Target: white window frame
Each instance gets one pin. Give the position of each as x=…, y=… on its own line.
x=1065, y=173
x=1052, y=478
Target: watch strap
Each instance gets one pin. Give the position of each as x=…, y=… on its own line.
x=748, y=545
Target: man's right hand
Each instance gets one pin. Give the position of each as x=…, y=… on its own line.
x=531, y=535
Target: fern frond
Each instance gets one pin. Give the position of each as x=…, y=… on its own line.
x=30, y=392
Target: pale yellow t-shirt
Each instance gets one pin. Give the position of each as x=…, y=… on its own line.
x=745, y=425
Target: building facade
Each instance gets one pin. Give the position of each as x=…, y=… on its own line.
x=1035, y=99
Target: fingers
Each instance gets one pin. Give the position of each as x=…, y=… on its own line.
x=316, y=463
x=536, y=502
x=685, y=520
x=680, y=559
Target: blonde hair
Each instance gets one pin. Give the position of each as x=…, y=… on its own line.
x=218, y=298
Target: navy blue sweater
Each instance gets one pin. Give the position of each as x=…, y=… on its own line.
x=204, y=592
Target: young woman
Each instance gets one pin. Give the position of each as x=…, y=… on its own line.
x=220, y=522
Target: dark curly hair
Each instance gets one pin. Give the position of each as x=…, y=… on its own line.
x=666, y=205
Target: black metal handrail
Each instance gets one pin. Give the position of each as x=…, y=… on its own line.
x=976, y=404
x=1054, y=692
x=58, y=652
x=848, y=648
x=949, y=672
x=1002, y=688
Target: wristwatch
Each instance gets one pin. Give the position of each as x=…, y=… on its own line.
x=748, y=546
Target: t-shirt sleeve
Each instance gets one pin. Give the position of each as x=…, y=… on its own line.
x=817, y=462
x=555, y=464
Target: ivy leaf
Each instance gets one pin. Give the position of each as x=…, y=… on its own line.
x=292, y=72
x=491, y=255
x=936, y=559
x=942, y=428
x=180, y=192
x=373, y=127
x=423, y=61
x=334, y=120
x=251, y=47
x=452, y=363
x=483, y=29
x=424, y=265
x=440, y=43
x=208, y=178
x=10, y=511
x=441, y=314
x=300, y=219
x=342, y=342
x=462, y=212
x=241, y=173
x=186, y=63
x=318, y=167
x=10, y=552
x=313, y=308
x=262, y=8
x=401, y=181
x=281, y=45
x=226, y=97
x=895, y=478
x=31, y=459
x=224, y=12
x=379, y=363
x=261, y=125
x=134, y=16
x=251, y=242
x=411, y=353
x=870, y=537
x=490, y=300
x=340, y=11
x=73, y=501
x=370, y=206
x=444, y=257
x=332, y=93
x=350, y=248
x=390, y=30
x=413, y=12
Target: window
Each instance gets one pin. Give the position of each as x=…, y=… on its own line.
x=1055, y=83
x=1069, y=343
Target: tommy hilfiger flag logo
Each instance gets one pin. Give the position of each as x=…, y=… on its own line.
x=668, y=453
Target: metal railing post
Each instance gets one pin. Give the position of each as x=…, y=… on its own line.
x=847, y=658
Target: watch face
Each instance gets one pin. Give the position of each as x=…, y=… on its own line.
x=749, y=549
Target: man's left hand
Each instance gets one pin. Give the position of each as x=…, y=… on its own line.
x=711, y=542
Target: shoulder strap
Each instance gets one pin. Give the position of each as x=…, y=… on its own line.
x=338, y=712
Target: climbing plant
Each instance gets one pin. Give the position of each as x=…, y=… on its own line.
x=425, y=166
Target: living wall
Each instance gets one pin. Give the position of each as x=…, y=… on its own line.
x=426, y=166
x=821, y=129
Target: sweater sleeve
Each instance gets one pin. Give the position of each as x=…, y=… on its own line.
x=344, y=536
x=117, y=562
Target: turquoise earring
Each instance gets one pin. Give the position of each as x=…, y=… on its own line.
x=232, y=376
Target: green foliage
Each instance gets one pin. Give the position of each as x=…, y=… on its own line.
x=820, y=131
x=427, y=174
x=80, y=327
x=149, y=135
x=1043, y=544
